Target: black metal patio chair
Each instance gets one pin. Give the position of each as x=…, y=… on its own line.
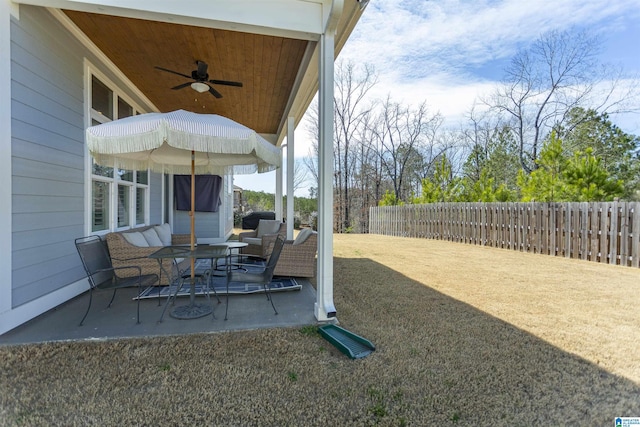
x=103, y=276
x=263, y=278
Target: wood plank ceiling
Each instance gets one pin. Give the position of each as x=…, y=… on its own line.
x=267, y=66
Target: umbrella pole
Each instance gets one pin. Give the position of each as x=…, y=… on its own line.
x=193, y=226
x=193, y=201
x=193, y=310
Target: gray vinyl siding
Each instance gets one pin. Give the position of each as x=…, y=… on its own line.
x=47, y=155
x=206, y=223
x=47, y=118
x=155, y=196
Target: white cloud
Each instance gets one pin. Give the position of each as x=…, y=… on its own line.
x=445, y=51
x=411, y=39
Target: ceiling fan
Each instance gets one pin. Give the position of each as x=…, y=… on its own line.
x=201, y=80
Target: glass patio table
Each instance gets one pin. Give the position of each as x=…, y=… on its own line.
x=192, y=310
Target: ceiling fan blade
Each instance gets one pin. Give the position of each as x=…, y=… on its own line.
x=215, y=92
x=225, y=82
x=202, y=69
x=173, y=72
x=183, y=85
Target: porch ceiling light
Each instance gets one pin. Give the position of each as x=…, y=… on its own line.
x=200, y=87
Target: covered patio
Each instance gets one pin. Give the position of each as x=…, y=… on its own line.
x=246, y=312
x=57, y=56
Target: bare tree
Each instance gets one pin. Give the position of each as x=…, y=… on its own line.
x=543, y=83
x=300, y=174
x=475, y=138
x=350, y=108
x=436, y=143
x=312, y=127
x=370, y=173
x=400, y=134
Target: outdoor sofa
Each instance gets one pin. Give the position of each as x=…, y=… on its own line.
x=133, y=246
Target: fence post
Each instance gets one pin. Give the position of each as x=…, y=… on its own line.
x=604, y=233
x=594, y=226
x=624, y=233
x=552, y=229
x=635, y=235
x=613, y=234
x=567, y=230
x=584, y=221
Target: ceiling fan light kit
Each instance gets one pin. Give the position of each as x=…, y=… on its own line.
x=200, y=87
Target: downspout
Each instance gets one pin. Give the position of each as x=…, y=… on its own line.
x=324, y=307
x=278, y=201
x=290, y=174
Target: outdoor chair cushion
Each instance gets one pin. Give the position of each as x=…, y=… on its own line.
x=267, y=226
x=136, y=239
x=253, y=240
x=152, y=238
x=261, y=240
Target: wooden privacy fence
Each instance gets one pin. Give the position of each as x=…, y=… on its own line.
x=607, y=232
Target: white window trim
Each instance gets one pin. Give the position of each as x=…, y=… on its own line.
x=90, y=115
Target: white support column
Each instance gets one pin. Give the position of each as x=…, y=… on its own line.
x=163, y=200
x=278, y=202
x=324, y=308
x=291, y=124
x=170, y=201
x=6, y=8
x=225, y=213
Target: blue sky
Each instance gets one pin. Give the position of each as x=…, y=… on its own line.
x=450, y=52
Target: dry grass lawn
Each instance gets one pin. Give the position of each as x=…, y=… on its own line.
x=465, y=335
x=584, y=308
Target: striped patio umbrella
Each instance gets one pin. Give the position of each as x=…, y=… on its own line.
x=164, y=142
x=182, y=142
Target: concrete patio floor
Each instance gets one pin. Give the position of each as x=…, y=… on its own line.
x=252, y=311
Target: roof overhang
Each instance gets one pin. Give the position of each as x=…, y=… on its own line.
x=271, y=46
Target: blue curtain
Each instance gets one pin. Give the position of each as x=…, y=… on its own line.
x=208, y=189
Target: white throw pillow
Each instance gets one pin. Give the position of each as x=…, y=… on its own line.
x=303, y=235
x=136, y=239
x=164, y=233
x=152, y=238
x=267, y=226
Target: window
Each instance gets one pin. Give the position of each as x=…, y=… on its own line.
x=124, y=109
x=118, y=197
x=100, y=210
x=123, y=205
x=101, y=98
x=140, y=204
